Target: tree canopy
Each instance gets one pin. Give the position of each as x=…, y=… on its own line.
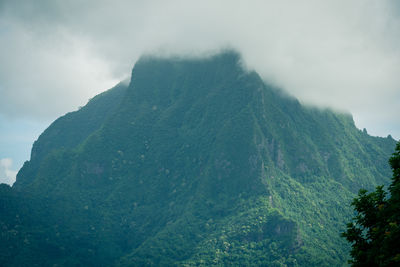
x=375, y=231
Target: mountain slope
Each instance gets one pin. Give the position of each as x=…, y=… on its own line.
x=197, y=162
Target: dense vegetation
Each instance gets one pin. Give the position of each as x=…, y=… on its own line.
x=375, y=231
x=196, y=162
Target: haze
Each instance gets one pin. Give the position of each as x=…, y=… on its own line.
x=55, y=55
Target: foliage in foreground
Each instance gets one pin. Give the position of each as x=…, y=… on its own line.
x=375, y=231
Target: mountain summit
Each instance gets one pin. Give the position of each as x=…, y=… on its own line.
x=196, y=162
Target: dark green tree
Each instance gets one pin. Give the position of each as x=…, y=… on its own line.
x=375, y=231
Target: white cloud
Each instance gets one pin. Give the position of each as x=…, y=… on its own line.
x=48, y=75
x=339, y=53
x=7, y=176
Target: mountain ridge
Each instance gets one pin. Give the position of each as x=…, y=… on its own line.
x=197, y=161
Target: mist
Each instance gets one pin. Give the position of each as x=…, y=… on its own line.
x=338, y=54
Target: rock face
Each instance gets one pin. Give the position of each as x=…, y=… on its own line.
x=196, y=162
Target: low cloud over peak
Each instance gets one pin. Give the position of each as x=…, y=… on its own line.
x=342, y=54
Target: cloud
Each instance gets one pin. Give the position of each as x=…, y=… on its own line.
x=342, y=54
x=7, y=176
x=43, y=75
x=17, y=136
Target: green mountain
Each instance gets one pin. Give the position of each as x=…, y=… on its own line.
x=197, y=162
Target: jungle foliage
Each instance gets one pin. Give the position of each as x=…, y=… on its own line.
x=375, y=231
x=197, y=162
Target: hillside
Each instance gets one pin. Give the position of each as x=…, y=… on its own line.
x=196, y=162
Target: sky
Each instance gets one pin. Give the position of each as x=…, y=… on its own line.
x=55, y=55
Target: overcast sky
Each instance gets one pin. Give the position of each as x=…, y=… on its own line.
x=55, y=55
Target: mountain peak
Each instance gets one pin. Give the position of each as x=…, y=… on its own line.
x=227, y=56
x=196, y=162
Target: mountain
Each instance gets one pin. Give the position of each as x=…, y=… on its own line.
x=196, y=162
